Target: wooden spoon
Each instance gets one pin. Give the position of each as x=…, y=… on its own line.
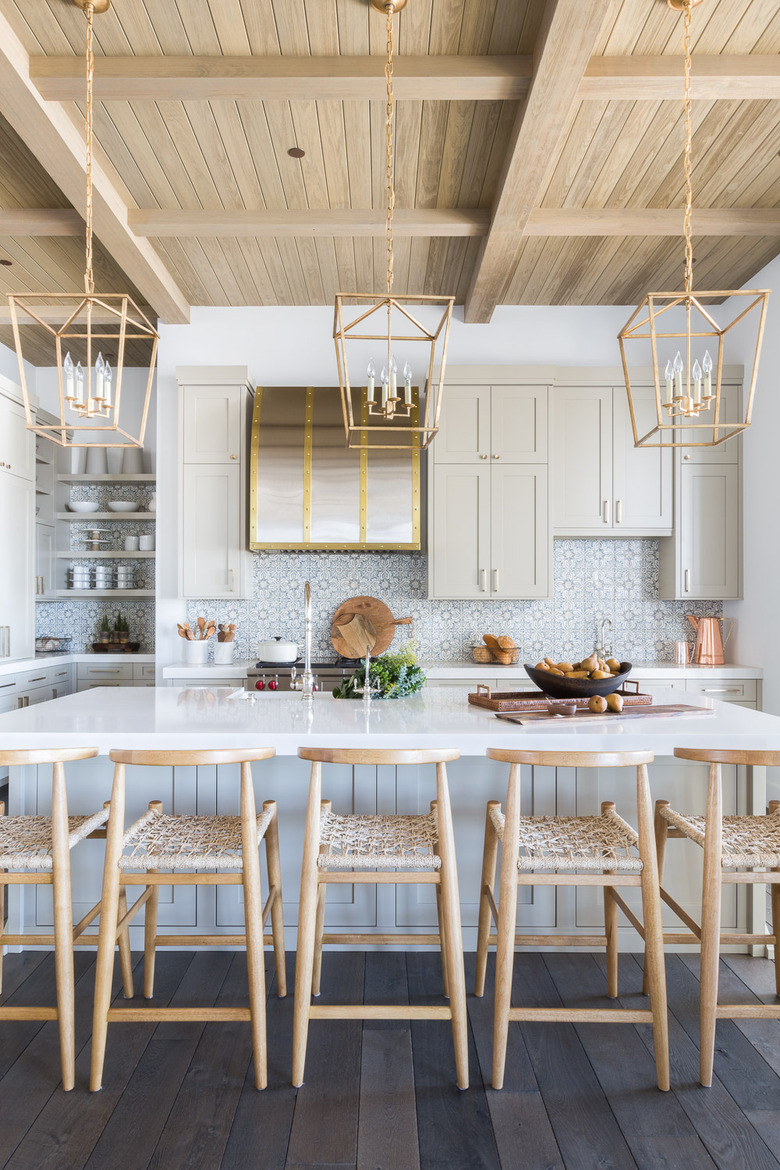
x=202, y=627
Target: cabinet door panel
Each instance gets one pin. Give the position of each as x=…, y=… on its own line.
x=211, y=535
x=44, y=560
x=710, y=551
x=461, y=531
x=464, y=427
x=728, y=452
x=641, y=478
x=17, y=567
x=212, y=424
x=582, y=458
x=518, y=424
x=520, y=532
x=17, y=445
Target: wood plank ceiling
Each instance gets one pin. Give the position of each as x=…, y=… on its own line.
x=229, y=154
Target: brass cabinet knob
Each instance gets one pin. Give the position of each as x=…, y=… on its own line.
x=496, y=456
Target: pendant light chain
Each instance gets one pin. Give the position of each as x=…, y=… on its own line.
x=89, y=279
x=389, y=115
x=687, y=156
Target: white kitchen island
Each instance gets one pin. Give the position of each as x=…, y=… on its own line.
x=170, y=718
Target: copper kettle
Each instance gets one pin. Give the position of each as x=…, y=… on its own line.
x=708, y=650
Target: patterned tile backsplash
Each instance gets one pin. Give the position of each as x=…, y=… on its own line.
x=594, y=579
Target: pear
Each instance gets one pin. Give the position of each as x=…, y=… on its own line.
x=615, y=702
x=598, y=704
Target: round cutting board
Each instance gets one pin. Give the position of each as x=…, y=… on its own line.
x=363, y=621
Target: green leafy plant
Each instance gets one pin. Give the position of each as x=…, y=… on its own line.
x=397, y=675
x=104, y=626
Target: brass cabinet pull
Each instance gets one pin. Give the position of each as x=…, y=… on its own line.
x=605, y=511
x=483, y=580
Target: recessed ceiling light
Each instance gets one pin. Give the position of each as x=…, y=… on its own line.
x=296, y=152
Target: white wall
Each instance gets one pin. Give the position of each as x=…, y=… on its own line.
x=757, y=632
x=9, y=367
x=133, y=392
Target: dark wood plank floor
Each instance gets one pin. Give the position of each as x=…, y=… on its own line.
x=381, y=1095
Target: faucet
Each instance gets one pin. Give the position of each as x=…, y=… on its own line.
x=602, y=650
x=307, y=678
x=368, y=688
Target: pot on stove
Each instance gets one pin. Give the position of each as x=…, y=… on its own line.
x=278, y=650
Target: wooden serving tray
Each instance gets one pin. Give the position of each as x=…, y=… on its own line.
x=522, y=701
x=669, y=710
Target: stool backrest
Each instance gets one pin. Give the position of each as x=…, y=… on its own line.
x=24, y=756
x=322, y=755
x=747, y=756
x=570, y=759
x=190, y=759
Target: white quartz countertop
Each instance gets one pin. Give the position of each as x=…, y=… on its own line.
x=19, y=665
x=173, y=717
x=470, y=670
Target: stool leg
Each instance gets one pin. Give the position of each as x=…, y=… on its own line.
x=109, y=906
x=610, y=925
x=150, y=925
x=774, y=894
x=123, y=941
x=710, y=927
x=661, y=826
x=507, y=914
x=275, y=884
x=63, y=928
x=307, y=914
x=442, y=927
x=253, y=923
x=654, y=939
x=488, y=881
x=453, y=938
x=319, y=926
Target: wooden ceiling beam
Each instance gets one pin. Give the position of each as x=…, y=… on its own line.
x=40, y=221
x=283, y=78
x=58, y=144
x=569, y=33
x=330, y=222
x=432, y=78
x=652, y=221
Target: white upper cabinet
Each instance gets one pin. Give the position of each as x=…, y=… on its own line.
x=489, y=531
x=464, y=425
x=212, y=425
x=17, y=444
x=604, y=486
x=211, y=531
x=727, y=452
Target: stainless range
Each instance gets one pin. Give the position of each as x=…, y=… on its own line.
x=270, y=676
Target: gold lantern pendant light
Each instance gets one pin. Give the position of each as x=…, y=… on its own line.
x=385, y=412
x=687, y=344
x=96, y=329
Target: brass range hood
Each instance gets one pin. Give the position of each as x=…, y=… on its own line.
x=308, y=492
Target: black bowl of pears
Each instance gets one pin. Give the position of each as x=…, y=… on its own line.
x=575, y=680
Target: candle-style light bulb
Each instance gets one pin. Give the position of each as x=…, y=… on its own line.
x=108, y=379
x=407, y=384
x=383, y=398
x=68, y=378
x=78, y=379
x=370, y=379
x=696, y=383
x=678, y=372
x=100, y=367
x=669, y=383
x=707, y=367
x=393, y=379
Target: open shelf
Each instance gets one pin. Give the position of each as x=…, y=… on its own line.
x=79, y=554
x=86, y=593
x=85, y=477
x=149, y=517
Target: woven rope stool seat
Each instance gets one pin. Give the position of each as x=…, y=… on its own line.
x=181, y=850
x=750, y=844
x=747, y=842
x=378, y=849
x=570, y=843
x=26, y=843
x=601, y=852
x=378, y=842
x=157, y=841
x=35, y=851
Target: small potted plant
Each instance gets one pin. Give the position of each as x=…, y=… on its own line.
x=105, y=630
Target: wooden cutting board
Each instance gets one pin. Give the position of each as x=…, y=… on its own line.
x=670, y=710
x=349, y=636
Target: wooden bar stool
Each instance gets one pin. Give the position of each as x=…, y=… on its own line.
x=36, y=851
x=554, y=851
x=744, y=843
x=190, y=850
x=385, y=849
